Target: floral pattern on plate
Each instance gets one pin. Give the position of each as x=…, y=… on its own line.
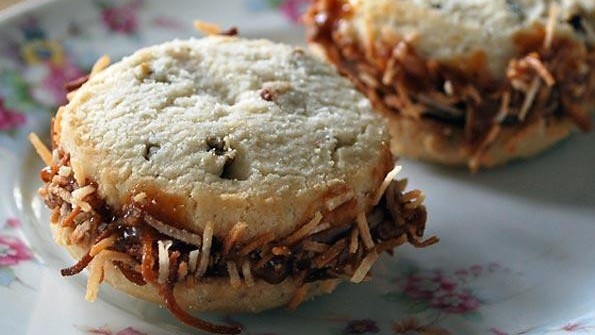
x=13, y=251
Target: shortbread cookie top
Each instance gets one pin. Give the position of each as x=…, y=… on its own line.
x=224, y=129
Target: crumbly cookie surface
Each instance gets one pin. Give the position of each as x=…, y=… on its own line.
x=235, y=130
x=449, y=29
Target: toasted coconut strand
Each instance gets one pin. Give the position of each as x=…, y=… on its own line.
x=416, y=202
x=102, y=245
x=139, y=197
x=319, y=228
x=100, y=65
x=409, y=196
x=64, y=171
x=335, y=202
x=94, y=279
x=207, y=239
x=81, y=231
x=247, y=273
x=75, y=84
x=193, y=259
x=79, y=195
x=207, y=28
x=41, y=149
x=78, y=267
x=281, y=251
x=55, y=215
x=529, y=98
x=315, y=246
x=182, y=271
x=365, y=266
x=69, y=220
x=551, y=26
x=257, y=242
x=84, y=206
x=163, y=254
x=364, y=230
x=234, y=235
x=60, y=192
x=267, y=256
x=390, y=176
x=354, y=241
x=329, y=255
x=425, y=243
x=304, y=230
x=298, y=297
x=534, y=61
x=476, y=160
x=166, y=291
x=130, y=273
x=96, y=270
x=234, y=276
x=148, y=259
x=77, y=170
x=180, y=234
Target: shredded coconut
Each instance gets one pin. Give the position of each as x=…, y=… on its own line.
x=390, y=176
x=304, y=230
x=335, y=202
x=207, y=28
x=163, y=252
x=247, y=273
x=365, y=266
x=364, y=230
x=234, y=276
x=193, y=259
x=207, y=239
x=101, y=64
x=41, y=149
x=102, y=245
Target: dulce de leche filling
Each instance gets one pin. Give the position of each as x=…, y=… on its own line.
x=552, y=78
x=143, y=240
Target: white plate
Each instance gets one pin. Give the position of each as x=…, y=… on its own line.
x=517, y=254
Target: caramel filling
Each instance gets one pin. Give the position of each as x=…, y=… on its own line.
x=144, y=239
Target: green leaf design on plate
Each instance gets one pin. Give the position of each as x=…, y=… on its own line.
x=474, y=316
x=19, y=97
x=416, y=306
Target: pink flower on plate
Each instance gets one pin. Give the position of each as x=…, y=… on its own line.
x=50, y=79
x=121, y=19
x=454, y=302
x=424, y=285
x=13, y=251
x=10, y=119
x=293, y=9
x=13, y=222
x=574, y=327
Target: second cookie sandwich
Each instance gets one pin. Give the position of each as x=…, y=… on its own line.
x=466, y=82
